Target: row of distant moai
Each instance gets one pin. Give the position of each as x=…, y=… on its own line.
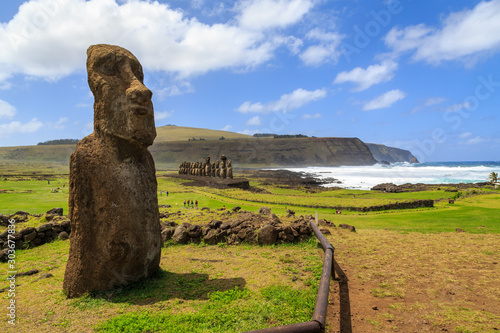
x=219, y=169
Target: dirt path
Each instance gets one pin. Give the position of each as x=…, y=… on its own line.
x=426, y=286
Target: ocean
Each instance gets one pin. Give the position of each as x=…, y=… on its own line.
x=365, y=177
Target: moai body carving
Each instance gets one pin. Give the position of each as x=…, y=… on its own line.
x=113, y=205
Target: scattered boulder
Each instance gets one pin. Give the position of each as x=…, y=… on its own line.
x=181, y=235
x=265, y=211
x=459, y=230
x=267, y=235
x=55, y=211
x=348, y=227
x=63, y=235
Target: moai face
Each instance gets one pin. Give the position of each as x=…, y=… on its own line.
x=123, y=106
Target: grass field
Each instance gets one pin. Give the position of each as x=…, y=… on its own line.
x=408, y=270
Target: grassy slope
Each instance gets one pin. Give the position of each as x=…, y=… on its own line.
x=409, y=271
x=180, y=133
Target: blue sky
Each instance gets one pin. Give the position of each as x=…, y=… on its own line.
x=419, y=75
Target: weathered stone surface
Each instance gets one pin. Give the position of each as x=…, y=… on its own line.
x=28, y=230
x=63, y=235
x=265, y=210
x=113, y=206
x=44, y=227
x=56, y=211
x=348, y=227
x=180, y=235
x=268, y=235
x=29, y=237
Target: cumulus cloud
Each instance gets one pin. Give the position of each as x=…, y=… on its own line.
x=325, y=51
x=384, y=101
x=254, y=121
x=159, y=115
x=227, y=128
x=48, y=38
x=287, y=102
x=365, y=78
x=17, y=127
x=462, y=35
x=265, y=14
x=6, y=110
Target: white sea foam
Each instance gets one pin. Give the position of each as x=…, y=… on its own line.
x=365, y=177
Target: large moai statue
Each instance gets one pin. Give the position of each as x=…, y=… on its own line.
x=208, y=167
x=217, y=169
x=229, y=169
x=223, y=168
x=214, y=170
x=113, y=205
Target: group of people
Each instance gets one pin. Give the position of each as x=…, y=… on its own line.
x=166, y=192
x=191, y=202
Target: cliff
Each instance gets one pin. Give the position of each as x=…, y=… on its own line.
x=391, y=155
x=269, y=152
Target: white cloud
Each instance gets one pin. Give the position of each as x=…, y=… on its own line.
x=254, y=121
x=465, y=135
x=458, y=107
x=17, y=127
x=227, y=128
x=312, y=116
x=248, y=132
x=475, y=140
x=60, y=124
x=385, y=100
x=159, y=115
x=162, y=38
x=327, y=49
x=287, y=102
x=265, y=14
x=6, y=110
x=462, y=35
x=365, y=78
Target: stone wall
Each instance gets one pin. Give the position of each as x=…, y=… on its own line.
x=245, y=227
x=57, y=226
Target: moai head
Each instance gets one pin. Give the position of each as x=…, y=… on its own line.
x=122, y=106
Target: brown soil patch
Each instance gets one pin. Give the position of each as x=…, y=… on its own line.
x=447, y=282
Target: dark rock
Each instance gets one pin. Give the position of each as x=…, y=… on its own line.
x=348, y=227
x=44, y=227
x=236, y=209
x=459, y=230
x=55, y=211
x=211, y=237
x=265, y=211
x=15, y=236
x=63, y=235
x=66, y=226
x=29, y=237
x=267, y=235
x=21, y=212
x=325, y=231
x=167, y=233
x=195, y=231
x=28, y=230
x=181, y=235
x=214, y=224
x=225, y=226
x=4, y=255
